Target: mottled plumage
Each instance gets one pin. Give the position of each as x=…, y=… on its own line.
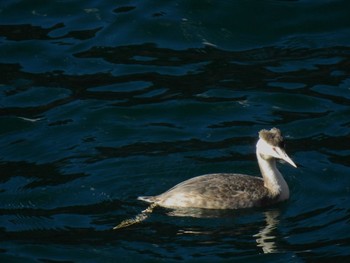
x=215, y=191
x=232, y=191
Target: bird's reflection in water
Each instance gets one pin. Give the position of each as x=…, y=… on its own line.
x=265, y=238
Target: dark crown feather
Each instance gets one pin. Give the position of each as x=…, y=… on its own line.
x=273, y=137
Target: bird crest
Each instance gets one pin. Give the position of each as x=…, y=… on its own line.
x=273, y=137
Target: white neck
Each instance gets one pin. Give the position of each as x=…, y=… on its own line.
x=273, y=179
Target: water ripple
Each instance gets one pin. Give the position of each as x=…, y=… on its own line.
x=103, y=102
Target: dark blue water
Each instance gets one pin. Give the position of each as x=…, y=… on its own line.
x=103, y=101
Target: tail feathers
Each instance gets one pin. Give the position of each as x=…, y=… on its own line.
x=148, y=199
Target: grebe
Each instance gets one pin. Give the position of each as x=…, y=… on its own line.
x=233, y=191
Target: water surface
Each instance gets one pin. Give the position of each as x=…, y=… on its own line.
x=101, y=102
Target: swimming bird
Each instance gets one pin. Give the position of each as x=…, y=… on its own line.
x=231, y=190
